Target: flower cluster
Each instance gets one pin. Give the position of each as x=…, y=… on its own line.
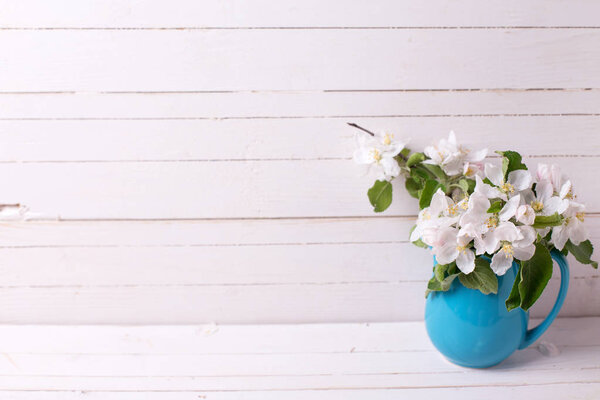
x=479, y=217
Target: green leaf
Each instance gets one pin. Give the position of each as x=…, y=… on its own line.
x=418, y=242
x=413, y=187
x=436, y=171
x=488, y=182
x=495, y=207
x=439, y=271
x=471, y=183
x=514, y=298
x=582, y=252
x=430, y=187
x=380, y=195
x=482, y=278
x=405, y=152
x=419, y=174
x=436, y=286
x=415, y=158
x=464, y=186
x=543, y=221
x=535, y=274
x=511, y=160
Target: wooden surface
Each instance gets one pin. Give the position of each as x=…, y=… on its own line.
x=188, y=161
x=327, y=361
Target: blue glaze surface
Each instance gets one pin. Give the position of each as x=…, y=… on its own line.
x=475, y=330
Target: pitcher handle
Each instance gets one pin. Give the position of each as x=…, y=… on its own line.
x=533, y=334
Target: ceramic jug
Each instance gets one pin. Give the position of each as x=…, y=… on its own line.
x=475, y=330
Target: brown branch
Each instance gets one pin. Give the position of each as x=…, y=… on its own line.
x=360, y=127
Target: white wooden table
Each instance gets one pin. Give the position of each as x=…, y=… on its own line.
x=313, y=361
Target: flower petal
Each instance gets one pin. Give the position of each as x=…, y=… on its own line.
x=363, y=155
x=501, y=262
x=494, y=174
x=465, y=261
x=559, y=237
x=487, y=190
x=445, y=254
x=524, y=253
x=477, y=156
x=390, y=166
x=520, y=179
x=529, y=235
x=525, y=214
x=555, y=205
x=510, y=208
x=544, y=190
x=507, y=231
x=565, y=189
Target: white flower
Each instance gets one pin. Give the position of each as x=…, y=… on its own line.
x=550, y=173
x=441, y=213
x=525, y=214
x=471, y=169
x=488, y=191
x=380, y=151
x=486, y=224
x=499, y=228
x=452, y=157
x=517, y=242
x=543, y=201
x=450, y=245
x=516, y=181
x=572, y=227
x=566, y=191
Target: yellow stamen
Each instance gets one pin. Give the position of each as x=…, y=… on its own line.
x=387, y=139
x=570, y=195
x=376, y=155
x=537, y=206
x=426, y=215
x=580, y=216
x=461, y=248
x=507, y=249
x=465, y=203
x=507, y=188
x=452, y=210
x=470, y=171
x=492, y=221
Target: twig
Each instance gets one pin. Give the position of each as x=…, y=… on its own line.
x=360, y=127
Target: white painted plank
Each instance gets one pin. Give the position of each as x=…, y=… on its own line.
x=278, y=59
x=260, y=139
x=209, y=233
x=342, y=358
x=311, y=13
x=229, y=271
x=276, y=188
x=310, y=104
x=247, y=303
x=253, y=339
x=568, y=391
x=318, y=381
x=212, y=264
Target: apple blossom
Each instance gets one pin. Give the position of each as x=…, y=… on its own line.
x=543, y=201
x=379, y=150
x=572, y=227
x=516, y=181
x=452, y=157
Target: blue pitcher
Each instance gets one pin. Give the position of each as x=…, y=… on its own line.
x=475, y=330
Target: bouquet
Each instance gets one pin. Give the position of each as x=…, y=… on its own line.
x=478, y=217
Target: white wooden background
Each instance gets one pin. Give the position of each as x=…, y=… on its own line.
x=188, y=161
